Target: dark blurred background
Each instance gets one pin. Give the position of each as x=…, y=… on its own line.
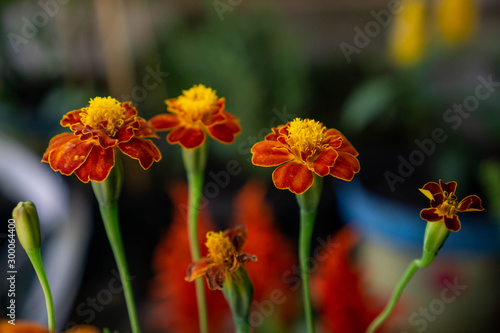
x=387, y=74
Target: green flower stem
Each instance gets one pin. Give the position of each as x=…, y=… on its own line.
x=238, y=291
x=308, y=203
x=36, y=260
x=434, y=238
x=194, y=162
x=107, y=194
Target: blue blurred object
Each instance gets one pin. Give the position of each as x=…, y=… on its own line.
x=397, y=223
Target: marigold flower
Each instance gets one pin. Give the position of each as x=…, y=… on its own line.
x=97, y=129
x=304, y=146
x=224, y=257
x=445, y=206
x=196, y=111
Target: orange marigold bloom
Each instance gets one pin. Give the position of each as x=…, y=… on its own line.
x=196, y=111
x=29, y=327
x=224, y=257
x=97, y=129
x=304, y=146
x=445, y=206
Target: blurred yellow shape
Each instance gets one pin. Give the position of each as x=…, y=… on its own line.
x=456, y=19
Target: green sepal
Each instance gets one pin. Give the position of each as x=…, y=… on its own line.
x=435, y=235
x=238, y=291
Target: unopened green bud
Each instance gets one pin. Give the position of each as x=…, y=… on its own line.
x=27, y=226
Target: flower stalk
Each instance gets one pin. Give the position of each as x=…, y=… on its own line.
x=28, y=233
x=107, y=193
x=308, y=203
x=238, y=291
x=194, y=162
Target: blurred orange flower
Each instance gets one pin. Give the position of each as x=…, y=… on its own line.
x=173, y=300
x=196, y=111
x=304, y=146
x=99, y=128
x=223, y=259
x=342, y=305
x=29, y=327
x=445, y=205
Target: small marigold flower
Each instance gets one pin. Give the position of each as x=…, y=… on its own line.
x=97, y=129
x=223, y=259
x=445, y=206
x=196, y=111
x=304, y=146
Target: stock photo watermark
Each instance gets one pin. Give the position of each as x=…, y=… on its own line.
x=453, y=116
x=30, y=27
x=150, y=82
x=223, y=6
x=372, y=29
x=11, y=272
x=420, y=319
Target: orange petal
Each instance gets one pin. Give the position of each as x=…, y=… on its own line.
x=293, y=176
x=324, y=161
x=71, y=118
x=215, y=275
x=163, y=122
x=218, y=115
x=470, y=203
x=197, y=269
x=67, y=153
x=143, y=150
x=346, y=165
x=55, y=142
x=225, y=132
x=237, y=236
x=268, y=153
x=145, y=130
x=21, y=326
x=187, y=137
x=130, y=111
x=430, y=215
x=83, y=329
x=97, y=166
x=346, y=146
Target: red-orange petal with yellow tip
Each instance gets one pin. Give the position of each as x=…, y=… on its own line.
x=225, y=132
x=67, y=153
x=163, y=122
x=143, y=150
x=270, y=153
x=431, y=215
x=346, y=146
x=345, y=166
x=452, y=223
x=197, y=269
x=324, y=161
x=293, y=176
x=144, y=129
x=470, y=203
x=71, y=118
x=187, y=137
x=130, y=111
x=97, y=166
x=216, y=275
x=55, y=142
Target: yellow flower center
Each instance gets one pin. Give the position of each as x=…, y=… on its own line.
x=220, y=249
x=107, y=110
x=196, y=102
x=306, y=136
x=449, y=206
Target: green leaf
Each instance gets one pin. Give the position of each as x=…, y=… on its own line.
x=366, y=103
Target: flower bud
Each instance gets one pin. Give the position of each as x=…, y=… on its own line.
x=27, y=226
x=435, y=235
x=238, y=291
